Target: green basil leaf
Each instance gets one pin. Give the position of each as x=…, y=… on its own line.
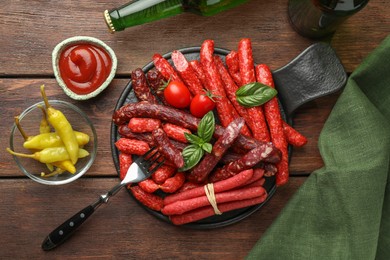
x=206, y=127
x=193, y=139
x=207, y=147
x=254, y=94
x=191, y=155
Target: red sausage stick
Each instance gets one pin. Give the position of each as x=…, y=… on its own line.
x=176, y=132
x=222, y=174
x=143, y=125
x=208, y=211
x=148, y=185
x=231, y=88
x=125, y=160
x=228, y=184
x=189, y=186
x=246, y=63
x=198, y=69
x=187, y=73
x=247, y=72
x=165, y=68
x=163, y=173
x=231, y=61
x=180, y=207
x=174, y=183
x=132, y=146
x=275, y=123
x=293, y=136
x=141, y=87
x=257, y=175
x=257, y=183
x=225, y=109
x=195, y=64
x=150, y=200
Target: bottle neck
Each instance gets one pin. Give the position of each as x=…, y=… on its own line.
x=139, y=12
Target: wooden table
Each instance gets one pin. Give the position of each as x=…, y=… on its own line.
x=29, y=211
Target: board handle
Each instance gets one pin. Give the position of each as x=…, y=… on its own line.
x=314, y=73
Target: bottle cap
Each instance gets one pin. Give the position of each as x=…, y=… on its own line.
x=107, y=18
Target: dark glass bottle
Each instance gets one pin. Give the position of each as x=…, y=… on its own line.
x=320, y=18
x=139, y=12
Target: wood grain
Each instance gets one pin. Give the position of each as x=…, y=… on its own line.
x=40, y=26
x=117, y=230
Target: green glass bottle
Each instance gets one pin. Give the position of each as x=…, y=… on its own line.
x=139, y=12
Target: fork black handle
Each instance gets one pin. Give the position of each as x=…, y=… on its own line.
x=66, y=229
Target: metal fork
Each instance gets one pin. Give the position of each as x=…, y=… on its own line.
x=138, y=171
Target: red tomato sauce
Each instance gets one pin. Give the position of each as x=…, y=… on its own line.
x=84, y=67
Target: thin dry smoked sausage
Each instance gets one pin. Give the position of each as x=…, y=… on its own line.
x=225, y=109
x=274, y=119
x=201, y=171
x=247, y=72
x=232, y=183
x=165, y=68
x=167, y=149
x=141, y=87
x=187, y=73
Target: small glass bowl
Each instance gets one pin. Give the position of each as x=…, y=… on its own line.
x=60, y=47
x=30, y=120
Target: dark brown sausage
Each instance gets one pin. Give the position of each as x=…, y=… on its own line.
x=236, y=163
x=124, y=131
x=201, y=171
x=250, y=159
x=141, y=87
x=156, y=82
x=167, y=149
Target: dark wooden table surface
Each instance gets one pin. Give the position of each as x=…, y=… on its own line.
x=29, y=211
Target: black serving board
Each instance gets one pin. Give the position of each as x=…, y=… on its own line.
x=315, y=72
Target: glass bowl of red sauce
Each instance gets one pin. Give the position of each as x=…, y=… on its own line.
x=83, y=66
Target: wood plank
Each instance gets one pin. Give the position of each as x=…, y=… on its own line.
x=32, y=30
x=121, y=229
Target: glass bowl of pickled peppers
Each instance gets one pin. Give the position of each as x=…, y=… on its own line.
x=53, y=142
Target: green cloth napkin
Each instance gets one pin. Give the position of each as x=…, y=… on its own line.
x=342, y=211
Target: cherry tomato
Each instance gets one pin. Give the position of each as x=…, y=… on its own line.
x=177, y=94
x=201, y=104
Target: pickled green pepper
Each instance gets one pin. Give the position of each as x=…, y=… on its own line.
x=63, y=128
x=51, y=155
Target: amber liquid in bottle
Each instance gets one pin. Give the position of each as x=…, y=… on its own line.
x=139, y=12
x=320, y=18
